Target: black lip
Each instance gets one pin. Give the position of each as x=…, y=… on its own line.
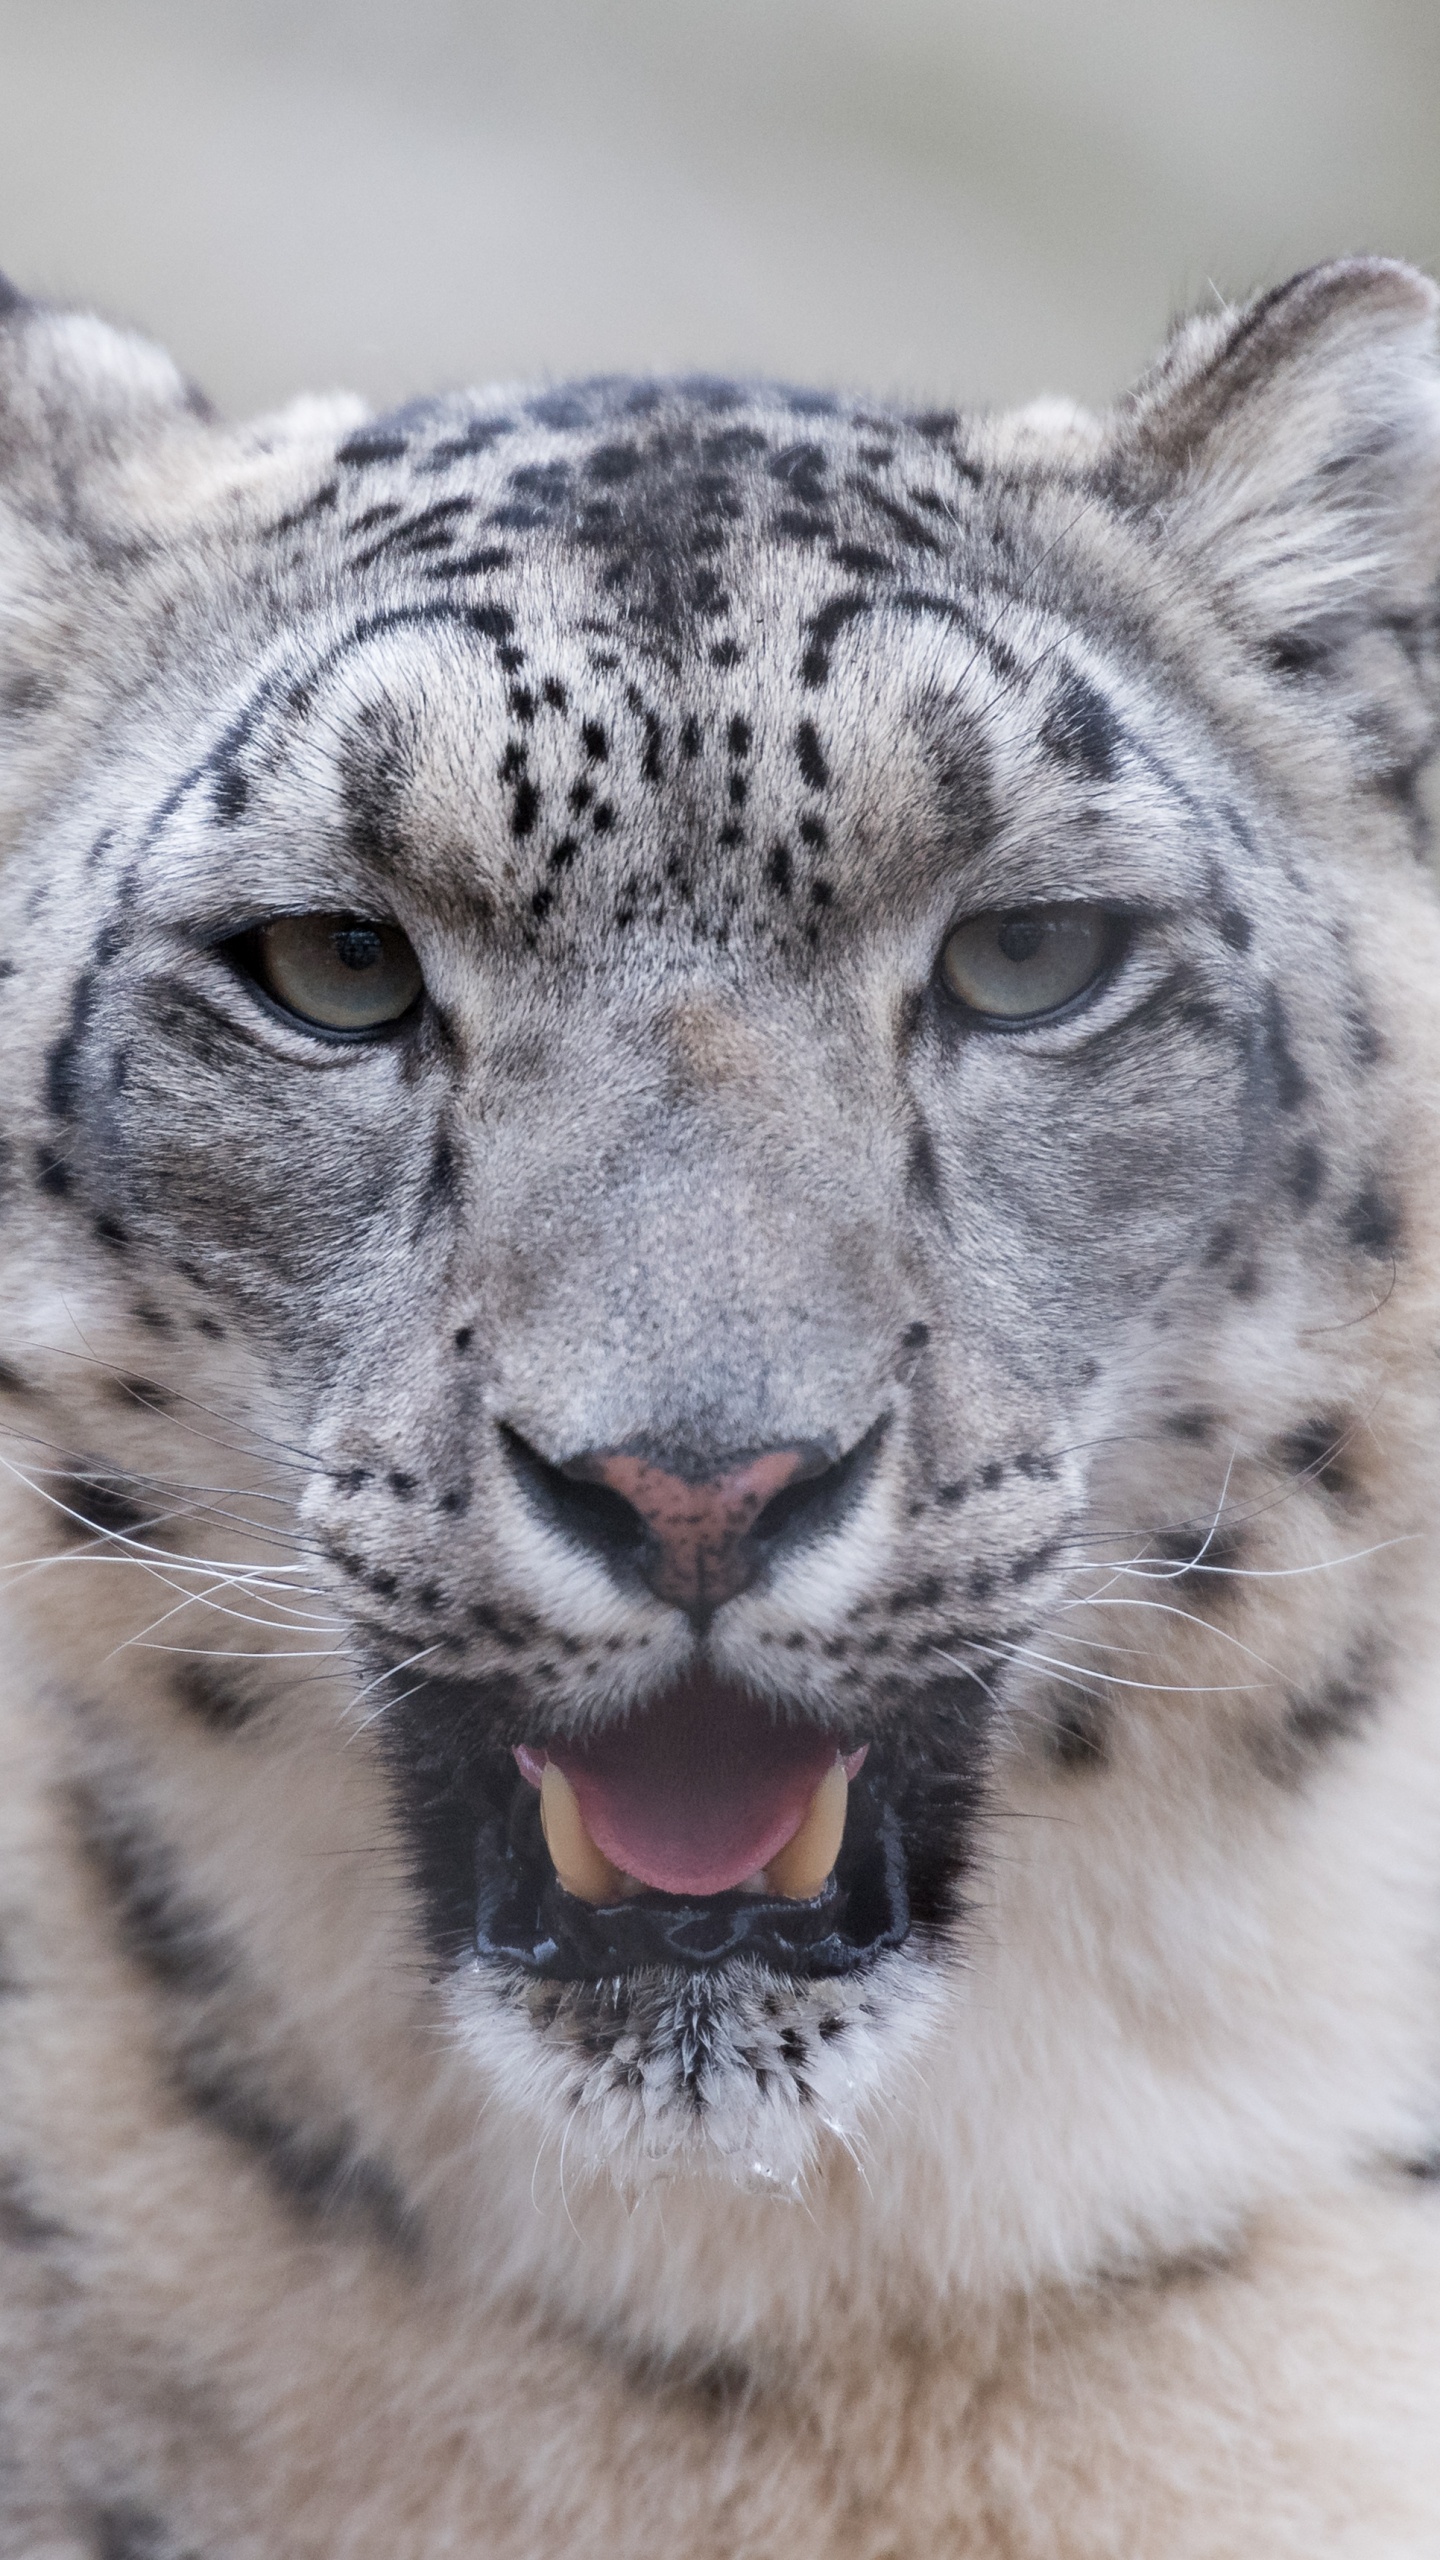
x=524, y=1916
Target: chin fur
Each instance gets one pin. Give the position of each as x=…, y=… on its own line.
x=738, y=2077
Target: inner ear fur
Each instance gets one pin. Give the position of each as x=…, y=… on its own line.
x=1287, y=455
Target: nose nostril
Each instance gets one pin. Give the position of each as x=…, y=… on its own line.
x=593, y=1513
x=818, y=1499
x=604, y=1516
x=809, y=1492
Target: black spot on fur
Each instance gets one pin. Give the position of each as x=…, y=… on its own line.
x=62, y=1087
x=1079, y=1735
x=210, y=1699
x=1316, y=1448
x=1081, y=728
x=824, y=630
x=11, y=1381
x=127, y=2532
x=320, y=2174
x=469, y=564
x=443, y=1179
x=23, y=2225
x=1330, y=1713
x=1198, y=1558
x=811, y=756
x=923, y=1169
x=611, y=463
x=475, y=437
x=318, y=504
x=1373, y=1223
x=1237, y=929
x=95, y=1506
x=1295, y=653
x=1306, y=1174
x=1366, y=1046
x=138, y=1390
x=779, y=870
x=1289, y=1082
x=172, y=1940
x=230, y=794
x=1194, y=1423
x=1026, y=1567
x=371, y=445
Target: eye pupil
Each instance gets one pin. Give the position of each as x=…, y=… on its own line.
x=1020, y=937
x=358, y=946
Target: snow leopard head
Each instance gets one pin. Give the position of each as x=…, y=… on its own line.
x=722, y=1030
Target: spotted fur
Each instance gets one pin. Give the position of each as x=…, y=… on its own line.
x=677, y=724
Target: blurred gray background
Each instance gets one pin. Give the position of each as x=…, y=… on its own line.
x=952, y=198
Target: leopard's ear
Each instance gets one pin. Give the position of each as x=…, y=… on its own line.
x=81, y=404
x=1287, y=458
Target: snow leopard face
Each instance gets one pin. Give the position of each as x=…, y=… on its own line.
x=710, y=1022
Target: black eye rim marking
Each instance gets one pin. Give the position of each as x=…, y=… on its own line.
x=1121, y=927
x=240, y=954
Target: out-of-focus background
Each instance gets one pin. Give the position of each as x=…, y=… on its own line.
x=943, y=198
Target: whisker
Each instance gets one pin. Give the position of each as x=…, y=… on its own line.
x=1084, y=1678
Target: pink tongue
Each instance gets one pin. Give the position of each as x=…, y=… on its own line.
x=697, y=1791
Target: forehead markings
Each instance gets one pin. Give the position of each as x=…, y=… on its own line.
x=295, y=681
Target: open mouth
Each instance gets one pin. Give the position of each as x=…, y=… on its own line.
x=704, y=1826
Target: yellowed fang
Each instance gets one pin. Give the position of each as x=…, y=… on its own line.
x=582, y=1868
x=801, y=1868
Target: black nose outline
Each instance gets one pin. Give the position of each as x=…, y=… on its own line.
x=575, y=1498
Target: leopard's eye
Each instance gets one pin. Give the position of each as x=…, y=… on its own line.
x=341, y=973
x=1017, y=963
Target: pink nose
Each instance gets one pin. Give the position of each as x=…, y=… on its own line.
x=700, y=1551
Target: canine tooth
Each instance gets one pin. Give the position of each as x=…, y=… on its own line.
x=582, y=1868
x=800, y=1869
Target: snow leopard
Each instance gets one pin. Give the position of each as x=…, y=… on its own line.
x=721, y=1418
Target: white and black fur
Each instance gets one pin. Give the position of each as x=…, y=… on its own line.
x=677, y=723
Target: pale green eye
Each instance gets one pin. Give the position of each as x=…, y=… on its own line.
x=1022, y=961
x=342, y=973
